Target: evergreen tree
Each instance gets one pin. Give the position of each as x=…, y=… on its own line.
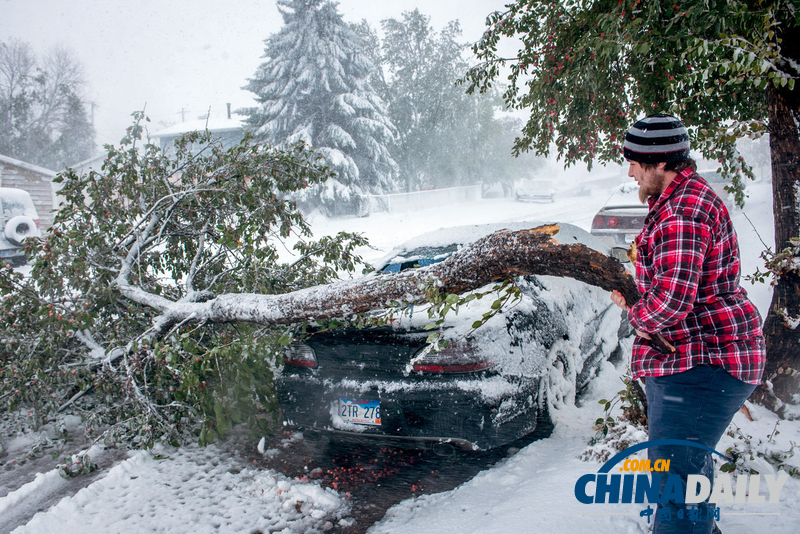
x=43, y=117
x=314, y=87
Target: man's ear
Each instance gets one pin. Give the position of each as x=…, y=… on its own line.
x=661, y=165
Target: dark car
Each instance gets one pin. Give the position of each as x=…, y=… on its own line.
x=484, y=389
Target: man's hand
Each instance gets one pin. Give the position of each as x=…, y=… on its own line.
x=619, y=300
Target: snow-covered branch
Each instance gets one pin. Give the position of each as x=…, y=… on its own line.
x=500, y=256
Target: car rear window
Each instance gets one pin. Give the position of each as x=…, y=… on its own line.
x=420, y=257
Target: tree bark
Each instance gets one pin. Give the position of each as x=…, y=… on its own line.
x=782, y=375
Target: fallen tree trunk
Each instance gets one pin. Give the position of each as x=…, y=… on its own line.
x=497, y=257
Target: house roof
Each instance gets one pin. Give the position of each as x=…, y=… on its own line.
x=28, y=166
x=100, y=158
x=212, y=124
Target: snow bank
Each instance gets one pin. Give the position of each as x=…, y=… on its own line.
x=192, y=489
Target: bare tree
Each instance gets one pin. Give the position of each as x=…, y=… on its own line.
x=17, y=66
x=43, y=117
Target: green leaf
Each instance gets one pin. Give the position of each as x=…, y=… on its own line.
x=727, y=468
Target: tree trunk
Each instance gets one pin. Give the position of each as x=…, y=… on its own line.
x=497, y=257
x=782, y=375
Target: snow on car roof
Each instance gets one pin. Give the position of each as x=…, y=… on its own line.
x=463, y=235
x=626, y=194
x=17, y=202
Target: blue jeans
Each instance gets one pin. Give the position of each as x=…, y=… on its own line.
x=696, y=405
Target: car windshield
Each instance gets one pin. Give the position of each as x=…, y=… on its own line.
x=419, y=257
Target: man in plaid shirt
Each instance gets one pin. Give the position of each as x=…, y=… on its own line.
x=687, y=270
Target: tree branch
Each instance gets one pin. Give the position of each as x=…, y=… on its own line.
x=500, y=256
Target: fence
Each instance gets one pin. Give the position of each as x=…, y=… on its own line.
x=421, y=200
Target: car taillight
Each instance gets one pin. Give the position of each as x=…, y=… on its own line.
x=299, y=354
x=597, y=222
x=612, y=222
x=458, y=357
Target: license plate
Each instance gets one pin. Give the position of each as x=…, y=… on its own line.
x=630, y=238
x=360, y=412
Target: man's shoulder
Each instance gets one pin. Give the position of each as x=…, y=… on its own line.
x=694, y=198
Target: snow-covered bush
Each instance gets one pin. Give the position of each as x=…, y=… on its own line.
x=615, y=434
x=753, y=454
x=88, y=330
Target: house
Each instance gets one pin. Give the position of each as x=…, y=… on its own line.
x=37, y=181
x=230, y=131
x=86, y=166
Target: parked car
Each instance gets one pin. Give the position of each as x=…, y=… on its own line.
x=482, y=390
x=621, y=219
x=18, y=221
x=535, y=191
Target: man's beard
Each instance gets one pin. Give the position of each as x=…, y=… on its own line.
x=654, y=188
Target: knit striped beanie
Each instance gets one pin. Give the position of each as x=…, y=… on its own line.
x=657, y=138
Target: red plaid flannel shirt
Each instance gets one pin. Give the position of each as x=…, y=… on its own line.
x=687, y=270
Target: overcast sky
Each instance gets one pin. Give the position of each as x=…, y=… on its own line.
x=184, y=56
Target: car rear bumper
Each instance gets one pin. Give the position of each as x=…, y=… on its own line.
x=616, y=238
x=443, y=410
x=404, y=442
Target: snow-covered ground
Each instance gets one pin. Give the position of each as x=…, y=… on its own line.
x=203, y=490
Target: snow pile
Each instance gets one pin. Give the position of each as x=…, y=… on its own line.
x=619, y=438
x=191, y=489
x=766, y=444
